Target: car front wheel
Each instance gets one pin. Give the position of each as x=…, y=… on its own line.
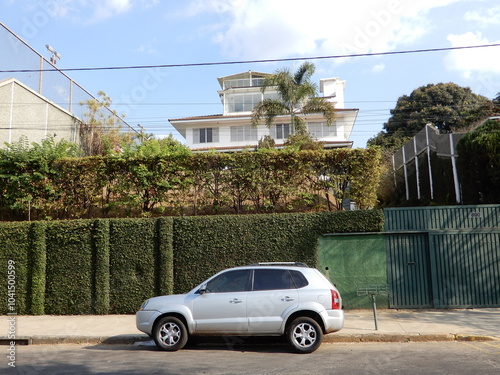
x=305, y=335
x=170, y=334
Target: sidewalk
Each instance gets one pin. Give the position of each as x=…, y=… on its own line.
x=393, y=326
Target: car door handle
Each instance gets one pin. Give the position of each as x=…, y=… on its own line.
x=287, y=299
x=236, y=300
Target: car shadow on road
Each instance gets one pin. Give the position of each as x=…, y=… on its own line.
x=226, y=343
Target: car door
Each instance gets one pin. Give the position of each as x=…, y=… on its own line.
x=222, y=306
x=273, y=294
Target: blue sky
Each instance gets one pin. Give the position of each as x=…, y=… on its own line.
x=93, y=33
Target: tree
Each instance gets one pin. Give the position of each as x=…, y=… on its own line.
x=479, y=163
x=303, y=142
x=297, y=95
x=154, y=147
x=101, y=133
x=266, y=142
x=447, y=106
x=496, y=104
x=26, y=170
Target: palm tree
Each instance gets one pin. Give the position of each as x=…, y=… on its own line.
x=297, y=95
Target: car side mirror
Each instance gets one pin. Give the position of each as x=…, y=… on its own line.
x=203, y=289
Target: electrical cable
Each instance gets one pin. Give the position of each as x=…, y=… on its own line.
x=251, y=61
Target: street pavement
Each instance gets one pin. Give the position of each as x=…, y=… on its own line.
x=392, y=326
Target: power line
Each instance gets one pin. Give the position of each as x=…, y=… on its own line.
x=251, y=61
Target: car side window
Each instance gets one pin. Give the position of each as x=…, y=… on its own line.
x=299, y=279
x=267, y=279
x=231, y=281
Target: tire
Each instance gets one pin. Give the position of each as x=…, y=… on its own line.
x=170, y=334
x=304, y=335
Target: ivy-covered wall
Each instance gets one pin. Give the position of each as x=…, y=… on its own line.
x=104, y=266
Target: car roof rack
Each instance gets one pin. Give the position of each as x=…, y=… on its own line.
x=296, y=264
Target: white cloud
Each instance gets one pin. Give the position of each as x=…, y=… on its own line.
x=472, y=61
x=282, y=28
x=378, y=68
x=147, y=48
x=105, y=9
x=485, y=17
x=91, y=11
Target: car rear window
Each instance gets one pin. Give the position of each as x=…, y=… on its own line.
x=271, y=279
x=299, y=279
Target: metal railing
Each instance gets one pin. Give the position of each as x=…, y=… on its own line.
x=22, y=62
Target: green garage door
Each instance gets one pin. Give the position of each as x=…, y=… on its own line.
x=408, y=270
x=466, y=269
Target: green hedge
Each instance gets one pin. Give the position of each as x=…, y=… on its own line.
x=15, y=246
x=132, y=263
x=265, y=181
x=101, y=275
x=205, y=245
x=165, y=256
x=106, y=266
x=69, y=267
x=37, y=262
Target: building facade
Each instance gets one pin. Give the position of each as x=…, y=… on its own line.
x=232, y=130
x=26, y=113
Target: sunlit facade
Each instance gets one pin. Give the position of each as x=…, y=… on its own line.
x=232, y=130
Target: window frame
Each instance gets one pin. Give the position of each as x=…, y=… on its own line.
x=246, y=286
x=205, y=135
x=256, y=282
x=283, y=129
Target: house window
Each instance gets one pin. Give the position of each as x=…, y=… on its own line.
x=281, y=131
x=241, y=102
x=321, y=130
x=243, y=133
x=271, y=95
x=206, y=135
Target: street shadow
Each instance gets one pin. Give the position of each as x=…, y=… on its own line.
x=208, y=343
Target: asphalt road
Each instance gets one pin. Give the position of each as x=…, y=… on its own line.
x=367, y=358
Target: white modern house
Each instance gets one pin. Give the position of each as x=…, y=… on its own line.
x=232, y=130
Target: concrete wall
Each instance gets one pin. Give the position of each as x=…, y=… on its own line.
x=25, y=113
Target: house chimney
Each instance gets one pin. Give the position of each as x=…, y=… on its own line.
x=333, y=91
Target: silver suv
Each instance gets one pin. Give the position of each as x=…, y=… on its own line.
x=264, y=299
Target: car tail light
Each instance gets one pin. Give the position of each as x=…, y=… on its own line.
x=335, y=300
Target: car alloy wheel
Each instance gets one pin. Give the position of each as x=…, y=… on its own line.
x=170, y=334
x=305, y=335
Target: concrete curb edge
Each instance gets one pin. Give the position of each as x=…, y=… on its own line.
x=331, y=338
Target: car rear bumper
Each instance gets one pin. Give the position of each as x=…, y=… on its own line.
x=334, y=320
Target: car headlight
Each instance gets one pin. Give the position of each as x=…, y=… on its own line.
x=144, y=304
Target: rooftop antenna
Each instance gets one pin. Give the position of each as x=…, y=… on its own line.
x=54, y=56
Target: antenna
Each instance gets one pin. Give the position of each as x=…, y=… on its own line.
x=54, y=56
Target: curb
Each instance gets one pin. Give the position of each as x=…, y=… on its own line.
x=330, y=339
x=407, y=337
x=56, y=340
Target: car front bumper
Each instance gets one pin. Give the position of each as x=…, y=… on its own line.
x=144, y=320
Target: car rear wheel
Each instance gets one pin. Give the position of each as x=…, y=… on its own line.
x=170, y=334
x=305, y=335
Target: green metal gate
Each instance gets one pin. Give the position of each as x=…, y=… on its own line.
x=466, y=269
x=443, y=257
x=408, y=270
